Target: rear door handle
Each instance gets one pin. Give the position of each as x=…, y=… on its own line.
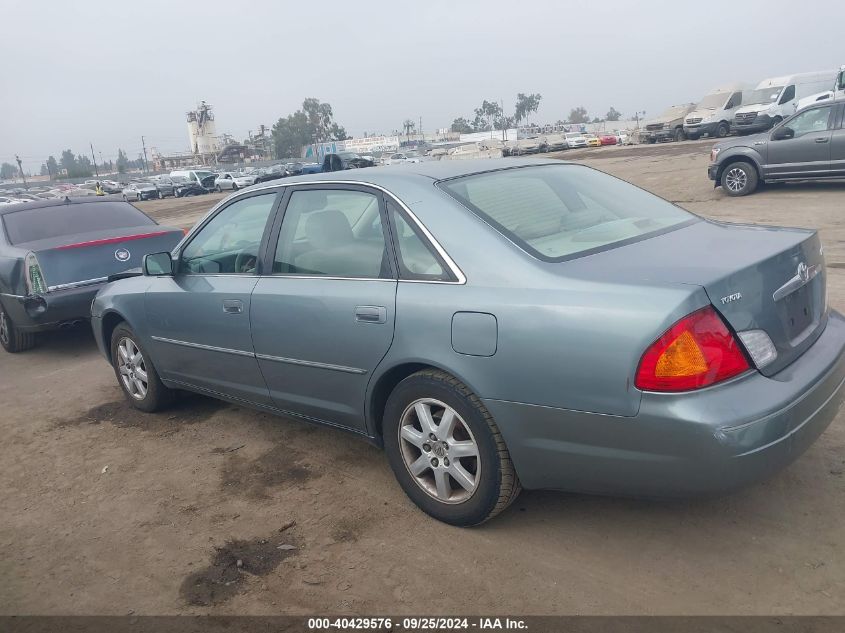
x=371, y=314
x=822, y=139
x=233, y=306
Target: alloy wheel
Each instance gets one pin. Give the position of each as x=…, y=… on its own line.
x=439, y=451
x=132, y=369
x=736, y=179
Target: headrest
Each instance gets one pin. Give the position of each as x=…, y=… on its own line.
x=329, y=228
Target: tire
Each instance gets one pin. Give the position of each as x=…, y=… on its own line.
x=11, y=338
x=776, y=121
x=153, y=395
x=652, y=141
x=679, y=135
x=234, y=187
x=218, y=189
x=739, y=179
x=125, y=199
x=489, y=471
x=723, y=130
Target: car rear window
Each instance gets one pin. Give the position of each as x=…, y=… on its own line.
x=30, y=225
x=556, y=212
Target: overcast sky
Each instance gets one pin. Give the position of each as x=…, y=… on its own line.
x=109, y=72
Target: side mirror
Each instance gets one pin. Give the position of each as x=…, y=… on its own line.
x=782, y=133
x=158, y=265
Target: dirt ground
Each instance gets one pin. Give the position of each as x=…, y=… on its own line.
x=109, y=511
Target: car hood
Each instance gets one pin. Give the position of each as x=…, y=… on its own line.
x=754, y=107
x=703, y=114
x=742, y=141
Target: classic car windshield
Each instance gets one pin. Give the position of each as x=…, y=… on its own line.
x=558, y=211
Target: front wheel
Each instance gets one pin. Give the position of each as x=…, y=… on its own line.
x=679, y=135
x=11, y=338
x=446, y=451
x=739, y=179
x=135, y=373
x=723, y=130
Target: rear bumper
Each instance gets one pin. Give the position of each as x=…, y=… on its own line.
x=51, y=310
x=705, y=442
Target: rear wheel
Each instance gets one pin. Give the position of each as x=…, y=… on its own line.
x=739, y=179
x=11, y=338
x=446, y=451
x=135, y=372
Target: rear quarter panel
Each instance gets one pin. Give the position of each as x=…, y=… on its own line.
x=561, y=341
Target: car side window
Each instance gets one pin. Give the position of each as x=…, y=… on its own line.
x=333, y=232
x=415, y=255
x=788, y=94
x=228, y=244
x=810, y=121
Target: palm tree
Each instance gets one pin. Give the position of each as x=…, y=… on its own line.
x=409, y=126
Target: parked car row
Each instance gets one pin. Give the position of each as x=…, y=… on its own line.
x=742, y=109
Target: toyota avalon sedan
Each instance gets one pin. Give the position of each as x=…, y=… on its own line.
x=495, y=325
x=56, y=254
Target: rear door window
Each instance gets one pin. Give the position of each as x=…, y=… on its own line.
x=30, y=225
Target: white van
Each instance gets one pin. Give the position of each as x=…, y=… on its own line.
x=777, y=98
x=715, y=112
x=837, y=94
x=197, y=176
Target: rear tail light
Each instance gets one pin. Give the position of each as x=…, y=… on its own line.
x=35, y=283
x=696, y=352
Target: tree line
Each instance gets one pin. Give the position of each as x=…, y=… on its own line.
x=80, y=166
x=490, y=115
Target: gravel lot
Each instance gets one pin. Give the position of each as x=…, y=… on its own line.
x=109, y=511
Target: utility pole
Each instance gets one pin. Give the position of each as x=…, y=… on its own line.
x=146, y=165
x=20, y=169
x=94, y=158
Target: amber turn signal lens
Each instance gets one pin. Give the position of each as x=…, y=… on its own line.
x=698, y=351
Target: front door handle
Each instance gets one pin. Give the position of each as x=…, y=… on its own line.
x=822, y=139
x=233, y=306
x=371, y=314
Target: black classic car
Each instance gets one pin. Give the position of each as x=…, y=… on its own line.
x=56, y=254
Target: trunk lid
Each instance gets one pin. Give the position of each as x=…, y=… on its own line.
x=72, y=260
x=757, y=277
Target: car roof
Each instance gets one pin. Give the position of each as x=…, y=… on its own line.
x=54, y=202
x=426, y=170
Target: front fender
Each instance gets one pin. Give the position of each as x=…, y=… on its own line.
x=747, y=154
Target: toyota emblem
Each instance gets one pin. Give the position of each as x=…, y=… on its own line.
x=122, y=255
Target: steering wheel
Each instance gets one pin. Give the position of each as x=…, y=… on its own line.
x=245, y=262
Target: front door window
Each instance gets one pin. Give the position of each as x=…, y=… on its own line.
x=229, y=243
